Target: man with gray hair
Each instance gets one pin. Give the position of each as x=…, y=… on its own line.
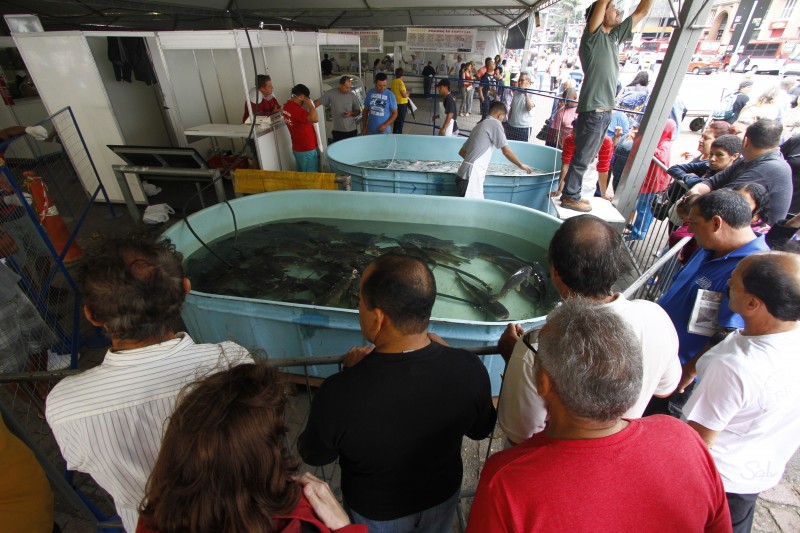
x=745, y=403
x=591, y=469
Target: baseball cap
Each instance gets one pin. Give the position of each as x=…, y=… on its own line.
x=443, y=83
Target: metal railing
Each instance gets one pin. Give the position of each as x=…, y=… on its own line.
x=96, y=510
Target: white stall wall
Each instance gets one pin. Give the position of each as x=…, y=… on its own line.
x=135, y=105
x=63, y=68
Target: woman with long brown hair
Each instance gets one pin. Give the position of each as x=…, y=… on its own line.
x=224, y=465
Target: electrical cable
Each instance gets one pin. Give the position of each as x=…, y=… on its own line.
x=230, y=166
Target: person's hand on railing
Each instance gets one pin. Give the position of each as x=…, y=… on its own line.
x=355, y=354
x=509, y=339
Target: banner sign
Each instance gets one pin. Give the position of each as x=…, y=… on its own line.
x=371, y=40
x=445, y=40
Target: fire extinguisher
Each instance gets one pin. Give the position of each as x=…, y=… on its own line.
x=5, y=92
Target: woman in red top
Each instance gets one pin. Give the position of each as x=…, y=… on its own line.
x=467, y=91
x=224, y=465
x=656, y=181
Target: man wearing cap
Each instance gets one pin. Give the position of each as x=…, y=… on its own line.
x=449, y=126
x=477, y=152
x=261, y=101
x=742, y=99
x=380, y=108
x=300, y=115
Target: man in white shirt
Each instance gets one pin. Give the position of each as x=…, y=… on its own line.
x=109, y=420
x=745, y=403
x=585, y=256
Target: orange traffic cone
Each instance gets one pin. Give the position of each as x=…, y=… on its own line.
x=49, y=218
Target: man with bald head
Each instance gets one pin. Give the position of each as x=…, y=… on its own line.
x=745, y=403
x=720, y=221
x=396, y=419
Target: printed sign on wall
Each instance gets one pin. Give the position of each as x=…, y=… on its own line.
x=371, y=40
x=445, y=40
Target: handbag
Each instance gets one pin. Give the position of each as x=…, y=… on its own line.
x=542, y=135
x=661, y=202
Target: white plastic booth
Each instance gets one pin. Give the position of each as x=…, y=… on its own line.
x=203, y=79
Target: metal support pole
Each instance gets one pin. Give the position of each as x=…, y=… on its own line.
x=526, y=53
x=126, y=192
x=666, y=87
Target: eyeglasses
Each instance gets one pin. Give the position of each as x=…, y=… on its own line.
x=531, y=338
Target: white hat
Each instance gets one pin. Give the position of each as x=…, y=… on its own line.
x=256, y=96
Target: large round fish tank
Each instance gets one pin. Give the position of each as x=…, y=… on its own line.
x=295, y=330
x=531, y=191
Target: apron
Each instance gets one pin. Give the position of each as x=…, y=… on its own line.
x=449, y=131
x=477, y=174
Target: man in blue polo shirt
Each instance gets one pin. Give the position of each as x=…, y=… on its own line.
x=720, y=222
x=380, y=108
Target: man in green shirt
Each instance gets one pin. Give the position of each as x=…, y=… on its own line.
x=598, y=53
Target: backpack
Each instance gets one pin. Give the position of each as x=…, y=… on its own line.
x=724, y=111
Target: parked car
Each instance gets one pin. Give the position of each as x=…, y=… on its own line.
x=703, y=65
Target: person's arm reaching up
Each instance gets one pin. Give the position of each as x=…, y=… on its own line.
x=641, y=12
x=599, y=12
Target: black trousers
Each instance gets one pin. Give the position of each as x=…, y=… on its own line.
x=743, y=509
x=340, y=135
x=461, y=187
x=672, y=405
x=397, y=125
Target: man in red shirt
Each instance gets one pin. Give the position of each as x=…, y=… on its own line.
x=300, y=115
x=261, y=101
x=590, y=469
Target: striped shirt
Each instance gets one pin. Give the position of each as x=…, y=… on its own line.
x=108, y=421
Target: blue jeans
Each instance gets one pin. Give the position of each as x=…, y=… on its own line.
x=644, y=217
x=437, y=519
x=307, y=161
x=589, y=129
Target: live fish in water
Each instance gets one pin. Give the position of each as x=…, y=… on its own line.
x=444, y=167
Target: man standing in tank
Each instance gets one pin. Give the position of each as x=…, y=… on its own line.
x=598, y=52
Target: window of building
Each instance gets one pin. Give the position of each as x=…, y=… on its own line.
x=788, y=7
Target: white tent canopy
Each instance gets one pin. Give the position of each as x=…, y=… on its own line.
x=298, y=14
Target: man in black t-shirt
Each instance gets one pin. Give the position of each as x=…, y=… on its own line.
x=449, y=126
x=486, y=88
x=742, y=99
x=428, y=72
x=327, y=66
x=397, y=416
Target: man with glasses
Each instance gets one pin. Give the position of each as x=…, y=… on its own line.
x=520, y=117
x=585, y=256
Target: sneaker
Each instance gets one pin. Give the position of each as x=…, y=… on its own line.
x=576, y=205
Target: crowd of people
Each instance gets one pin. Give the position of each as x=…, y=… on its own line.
x=618, y=414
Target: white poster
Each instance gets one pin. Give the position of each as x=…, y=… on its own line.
x=445, y=40
x=371, y=40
